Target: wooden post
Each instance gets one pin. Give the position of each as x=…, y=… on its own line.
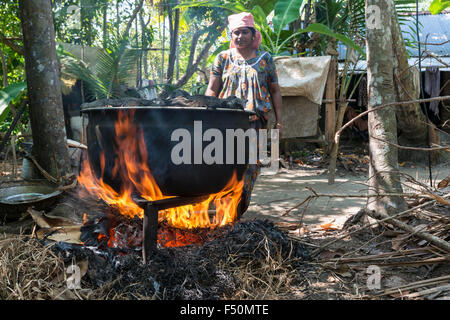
x=150, y=232
x=330, y=107
x=335, y=144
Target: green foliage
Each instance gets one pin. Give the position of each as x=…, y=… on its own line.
x=285, y=12
x=81, y=22
x=75, y=20
x=347, y=17
x=234, y=6
x=9, y=18
x=403, y=7
x=231, y=6
x=324, y=30
x=8, y=94
x=275, y=41
x=437, y=6
x=198, y=88
x=10, y=28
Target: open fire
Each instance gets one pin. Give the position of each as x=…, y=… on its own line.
x=131, y=168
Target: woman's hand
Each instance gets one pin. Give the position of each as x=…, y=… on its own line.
x=278, y=126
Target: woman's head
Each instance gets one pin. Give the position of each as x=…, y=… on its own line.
x=243, y=37
x=243, y=32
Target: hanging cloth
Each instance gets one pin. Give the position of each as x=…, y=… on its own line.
x=432, y=86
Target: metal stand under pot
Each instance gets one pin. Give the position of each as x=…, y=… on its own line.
x=150, y=223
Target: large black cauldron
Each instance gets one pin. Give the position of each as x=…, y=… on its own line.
x=157, y=124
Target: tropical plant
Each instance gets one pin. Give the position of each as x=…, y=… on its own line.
x=115, y=68
x=437, y=6
x=275, y=39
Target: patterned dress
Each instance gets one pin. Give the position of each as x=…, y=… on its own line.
x=248, y=80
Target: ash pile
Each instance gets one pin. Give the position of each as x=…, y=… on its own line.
x=251, y=256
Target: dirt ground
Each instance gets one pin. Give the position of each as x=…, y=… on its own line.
x=320, y=221
x=274, y=195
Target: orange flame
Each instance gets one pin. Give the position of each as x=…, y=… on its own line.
x=135, y=175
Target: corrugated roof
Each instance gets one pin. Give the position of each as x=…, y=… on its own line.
x=432, y=29
x=361, y=66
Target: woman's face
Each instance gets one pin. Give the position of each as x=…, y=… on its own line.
x=242, y=37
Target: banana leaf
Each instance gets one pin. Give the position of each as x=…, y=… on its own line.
x=437, y=6
x=323, y=29
x=285, y=12
x=8, y=94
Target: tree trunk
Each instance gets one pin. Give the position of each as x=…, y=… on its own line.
x=105, y=25
x=163, y=52
x=384, y=176
x=4, y=68
x=139, y=59
x=411, y=121
x=192, y=67
x=144, y=54
x=174, y=22
x=10, y=43
x=44, y=89
x=117, y=17
x=136, y=10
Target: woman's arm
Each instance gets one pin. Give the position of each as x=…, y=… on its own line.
x=277, y=102
x=213, y=86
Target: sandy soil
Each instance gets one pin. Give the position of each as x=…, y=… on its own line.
x=273, y=195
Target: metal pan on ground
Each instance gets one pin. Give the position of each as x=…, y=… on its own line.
x=17, y=196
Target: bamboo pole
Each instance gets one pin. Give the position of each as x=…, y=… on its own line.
x=330, y=106
x=335, y=144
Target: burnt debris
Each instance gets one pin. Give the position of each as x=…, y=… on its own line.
x=178, y=98
x=196, y=271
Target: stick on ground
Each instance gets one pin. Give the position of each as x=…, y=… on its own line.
x=438, y=242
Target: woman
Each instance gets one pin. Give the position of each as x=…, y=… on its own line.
x=248, y=73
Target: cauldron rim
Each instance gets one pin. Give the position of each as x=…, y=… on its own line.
x=249, y=112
